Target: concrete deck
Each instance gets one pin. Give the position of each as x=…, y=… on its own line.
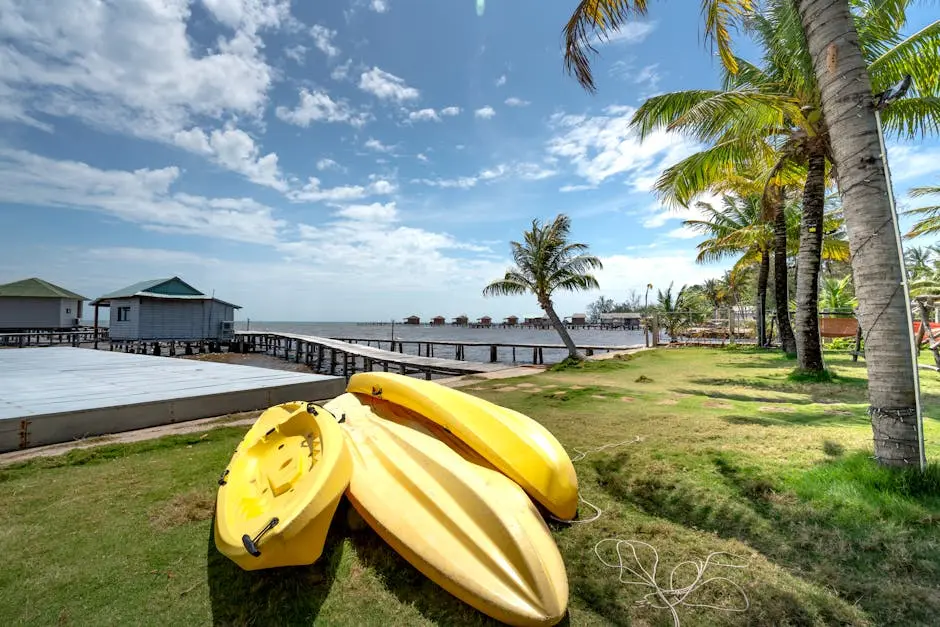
x=57, y=394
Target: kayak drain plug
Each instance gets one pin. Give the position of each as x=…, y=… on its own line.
x=251, y=544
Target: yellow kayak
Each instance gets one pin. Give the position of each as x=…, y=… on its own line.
x=281, y=488
x=468, y=528
x=516, y=445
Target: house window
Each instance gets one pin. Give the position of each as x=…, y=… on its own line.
x=124, y=314
x=68, y=310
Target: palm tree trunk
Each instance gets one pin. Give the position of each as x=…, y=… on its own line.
x=781, y=296
x=808, y=347
x=762, y=297
x=562, y=330
x=848, y=108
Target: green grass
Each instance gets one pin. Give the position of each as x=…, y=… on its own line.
x=728, y=453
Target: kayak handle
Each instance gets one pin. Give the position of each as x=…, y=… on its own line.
x=312, y=409
x=251, y=544
x=222, y=480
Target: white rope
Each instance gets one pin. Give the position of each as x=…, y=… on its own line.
x=581, y=455
x=671, y=596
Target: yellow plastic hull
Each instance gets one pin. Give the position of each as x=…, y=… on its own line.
x=281, y=488
x=516, y=445
x=468, y=528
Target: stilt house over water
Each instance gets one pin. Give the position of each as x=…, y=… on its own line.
x=167, y=309
x=37, y=305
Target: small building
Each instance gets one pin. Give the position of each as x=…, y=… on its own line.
x=438, y=321
x=412, y=320
x=34, y=305
x=462, y=320
x=535, y=319
x=624, y=320
x=512, y=320
x=167, y=309
x=485, y=321
x=579, y=318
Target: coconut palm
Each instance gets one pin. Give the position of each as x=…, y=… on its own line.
x=738, y=229
x=836, y=295
x=843, y=47
x=917, y=259
x=547, y=262
x=676, y=309
x=929, y=223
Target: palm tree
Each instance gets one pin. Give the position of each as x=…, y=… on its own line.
x=917, y=259
x=836, y=295
x=835, y=39
x=547, y=262
x=930, y=223
x=738, y=228
x=674, y=309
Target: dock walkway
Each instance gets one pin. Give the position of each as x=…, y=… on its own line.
x=330, y=355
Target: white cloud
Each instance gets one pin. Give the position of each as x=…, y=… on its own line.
x=328, y=164
x=141, y=196
x=298, y=53
x=421, y=157
x=424, y=115
x=235, y=150
x=386, y=86
x=376, y=212
x=517, y=102
x=911, y=162
x=312, y=192
x=524, y=170
x=379, y=6
x=377, y=146
x=629, y=33
x=485, y=113
x=317, y=106
x=341, y=71
x=501, y=80
x=323, y=40
x=603, y=146
x=450, y=111
x=134, y=68
x=575, y=188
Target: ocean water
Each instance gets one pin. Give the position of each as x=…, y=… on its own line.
x=406, y=333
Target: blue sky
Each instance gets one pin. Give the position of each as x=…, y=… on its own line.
x=351, y=160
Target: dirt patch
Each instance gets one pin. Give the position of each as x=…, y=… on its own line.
x=603, y=398
x=838, y=412
x=577, y=387
x=559, y=393
x=505, y=388
x=778, y=409
x=717, y=404
x=526, y=385
x=192, y=506
x=643, y=379
x=627, y=399
x=668, y=401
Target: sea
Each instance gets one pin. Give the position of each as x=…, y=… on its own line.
x=411, y=332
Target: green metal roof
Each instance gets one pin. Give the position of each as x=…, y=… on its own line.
x=173, y=286
x=36, y=288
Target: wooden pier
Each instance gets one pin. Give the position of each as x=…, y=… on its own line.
x=346, y=356
x=459, y=346
x=68, y=337
x=332, y=356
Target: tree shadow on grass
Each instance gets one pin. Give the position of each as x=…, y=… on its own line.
x=276, y=596
x=732, y=396
x=411, y=586
x=797, y=418
x=844, y=524
x=843, y=389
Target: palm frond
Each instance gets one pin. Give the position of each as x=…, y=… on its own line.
x=590, y=18
x=912, y=117
x=720, y=17
x=926, y=190
x=578, y=283
x=915, y=55
x=510, y=285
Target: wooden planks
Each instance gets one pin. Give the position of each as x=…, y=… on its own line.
x=435, y=364
x=64, y=393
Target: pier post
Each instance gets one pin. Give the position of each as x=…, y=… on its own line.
x=333, y=361
x=493, y=354
x=297, y=349
x=513, y=354
x=541, y=356
x=319, y=357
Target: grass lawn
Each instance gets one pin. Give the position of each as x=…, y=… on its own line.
x=731, y=456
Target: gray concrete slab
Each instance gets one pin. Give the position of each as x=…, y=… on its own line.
x=56, y=394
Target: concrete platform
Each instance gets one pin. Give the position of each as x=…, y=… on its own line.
x=56, y=394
